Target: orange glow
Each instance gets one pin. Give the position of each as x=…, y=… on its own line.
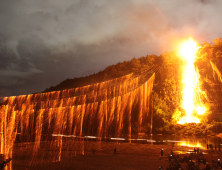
x=191, y=144
x=191, y=103
x=201, y=110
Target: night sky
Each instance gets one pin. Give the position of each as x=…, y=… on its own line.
x=43, y=42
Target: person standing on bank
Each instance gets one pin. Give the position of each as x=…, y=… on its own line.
x=161, y=152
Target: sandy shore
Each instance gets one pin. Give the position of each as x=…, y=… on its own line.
x=100, y=155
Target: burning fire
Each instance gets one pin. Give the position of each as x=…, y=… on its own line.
x=191, y=101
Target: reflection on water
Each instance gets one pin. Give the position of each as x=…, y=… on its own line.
x=70, y=146
x=190, y=141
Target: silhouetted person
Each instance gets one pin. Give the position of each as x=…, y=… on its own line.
x=215, y=147
x=169, y=158
x=197, y=167
x=190, y=158
x=192, y=163
x=207, y=167
x=189, y=164
x=201, y=153
x=114, y=151
x=219, y=147
x=3, y=164
x=204, y=161
x=161, y=168
x=198, y=160
x=161, y=152
x=218, y=162
x=207, y=146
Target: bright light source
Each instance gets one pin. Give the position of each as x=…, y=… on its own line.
x=191, y=84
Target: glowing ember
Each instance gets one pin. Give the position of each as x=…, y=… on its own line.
x=191, y=104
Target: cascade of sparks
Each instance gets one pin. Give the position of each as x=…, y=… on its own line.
x=191, y=103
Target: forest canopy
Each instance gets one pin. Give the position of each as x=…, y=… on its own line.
x=110, y=72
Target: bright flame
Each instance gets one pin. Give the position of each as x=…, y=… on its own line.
x=190, y=80
x=201, y=110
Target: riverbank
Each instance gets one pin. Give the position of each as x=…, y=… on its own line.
x=100, y=155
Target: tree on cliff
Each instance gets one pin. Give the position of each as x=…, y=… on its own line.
x=110, y=72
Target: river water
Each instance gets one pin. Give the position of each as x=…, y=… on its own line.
x=191, y=141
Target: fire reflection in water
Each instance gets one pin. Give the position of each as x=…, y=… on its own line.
x=191, y=144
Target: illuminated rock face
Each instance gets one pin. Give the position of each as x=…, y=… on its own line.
x=111, y=108
x=214, y=93
x=216, y=71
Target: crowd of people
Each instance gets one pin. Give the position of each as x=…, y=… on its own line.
x=191, y=162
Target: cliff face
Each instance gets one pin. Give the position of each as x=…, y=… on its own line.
x=217, y=73
x=209, y=65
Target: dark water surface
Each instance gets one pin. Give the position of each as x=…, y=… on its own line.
x=59, y=152
x=192, y=141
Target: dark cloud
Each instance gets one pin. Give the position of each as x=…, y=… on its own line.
x=45, y=42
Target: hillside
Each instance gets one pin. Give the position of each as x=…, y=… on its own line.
x=110, y=72
x=168, y=85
